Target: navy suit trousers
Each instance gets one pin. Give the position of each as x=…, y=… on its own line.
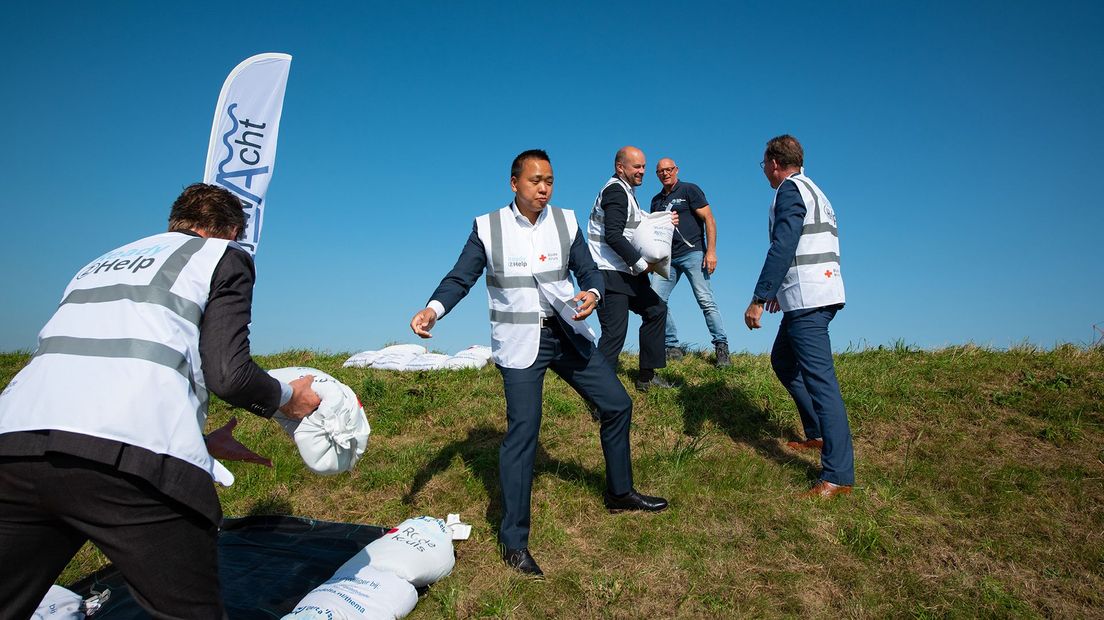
x=635, y=293
x=596, y=382
x=802, y=360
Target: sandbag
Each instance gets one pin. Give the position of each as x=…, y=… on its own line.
x=476, y=352
x=59, y=604
x=652, y=238
x=427, y=361
x=392, y=356
x=419, y=550
x=394, y=361
x=459, y=363
x=413, y=357
x=475, y=356
x=333, y=438
x=416, y=349
x=363, y=359
x=357, y=591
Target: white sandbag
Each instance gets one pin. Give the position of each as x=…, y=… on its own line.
x=357, y=591
x=419, y=550
x=363, y=359
x=394, y=361
x=652, y=238
x=427, y=361
x=333, y=438
x=59, y=604
x=416, y=349
x=458, y=363
x=476, y=352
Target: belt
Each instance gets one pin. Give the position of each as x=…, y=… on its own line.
x=547, y=321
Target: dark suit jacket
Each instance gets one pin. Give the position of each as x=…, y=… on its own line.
x=615, y=207
x=473, y=260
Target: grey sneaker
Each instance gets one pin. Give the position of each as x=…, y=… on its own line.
x=723, y=359
x=674, y=353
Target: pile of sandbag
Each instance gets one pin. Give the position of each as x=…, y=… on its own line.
x=652, y=238
x=415, y=357
x=333, y=438
x=379, y=582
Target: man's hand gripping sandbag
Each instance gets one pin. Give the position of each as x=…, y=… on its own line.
x=332, y=439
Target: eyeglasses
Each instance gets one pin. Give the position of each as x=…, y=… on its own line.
x=665, y=171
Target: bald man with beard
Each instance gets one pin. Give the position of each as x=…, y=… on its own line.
x=625, y=271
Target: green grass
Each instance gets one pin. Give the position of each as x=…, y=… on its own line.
x=980, y=489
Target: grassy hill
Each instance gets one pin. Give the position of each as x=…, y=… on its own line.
x=980, y=489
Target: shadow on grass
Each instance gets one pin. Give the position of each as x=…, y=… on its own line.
x=479, y=452
x=272, y=505
x=744, y=422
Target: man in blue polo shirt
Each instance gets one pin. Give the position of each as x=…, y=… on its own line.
x=693, y=255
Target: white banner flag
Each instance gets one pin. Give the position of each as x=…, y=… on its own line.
x=242, y=151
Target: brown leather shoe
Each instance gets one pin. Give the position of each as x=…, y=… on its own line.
x=826, y=490
x=808, y=444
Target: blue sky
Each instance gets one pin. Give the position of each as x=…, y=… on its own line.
x=959, y=143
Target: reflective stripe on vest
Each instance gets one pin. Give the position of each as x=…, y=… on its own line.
x=514, y=291
x=814, y=278
x=603, y=254
x=120, y=357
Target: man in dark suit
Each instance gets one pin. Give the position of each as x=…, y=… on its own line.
x=537, y=322
x=801, y=276
x=625, y=272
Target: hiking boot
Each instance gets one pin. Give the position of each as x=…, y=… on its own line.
x=674, y=353
x=656, y=381
x=723, y=359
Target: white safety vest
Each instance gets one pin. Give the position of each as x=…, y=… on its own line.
x=813, y=279
x=603, y=254
x=520, y=269
x=120, y=357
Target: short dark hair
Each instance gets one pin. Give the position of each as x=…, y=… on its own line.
x=786, y=150
x=515, y=168
x=210, y=208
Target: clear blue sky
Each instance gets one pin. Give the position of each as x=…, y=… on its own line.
x=960, y=144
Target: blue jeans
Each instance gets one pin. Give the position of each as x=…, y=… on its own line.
x=690, y=265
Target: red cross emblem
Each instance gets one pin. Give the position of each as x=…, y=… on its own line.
x=542, y=257
x=827, y=274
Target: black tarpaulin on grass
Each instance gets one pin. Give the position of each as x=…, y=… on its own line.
x=266, y=565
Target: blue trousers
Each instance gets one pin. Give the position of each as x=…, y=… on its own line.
x=690, y=265
x=594, y=379
x=802, y=360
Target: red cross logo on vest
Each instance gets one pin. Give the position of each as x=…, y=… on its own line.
x=828, y=274
x=542, y=257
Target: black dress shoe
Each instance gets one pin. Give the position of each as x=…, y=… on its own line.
x=521, y=561
x=633, y=501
